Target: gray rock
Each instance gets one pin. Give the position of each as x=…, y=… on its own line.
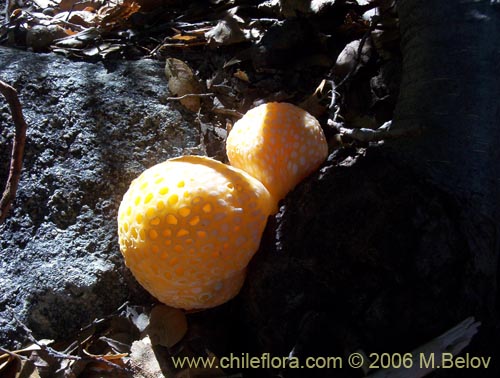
x=92, y=128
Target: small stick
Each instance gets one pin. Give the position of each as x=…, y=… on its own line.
x=386, y=131
x=228, y=112
x=11, y=354
x=190, y=95
x=60, y=355
x=16, y=160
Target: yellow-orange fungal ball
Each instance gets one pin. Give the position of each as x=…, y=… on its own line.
x=188, y=228
x=279, y=144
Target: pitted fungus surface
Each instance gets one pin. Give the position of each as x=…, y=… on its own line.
x=279, y=144
x=188, y=228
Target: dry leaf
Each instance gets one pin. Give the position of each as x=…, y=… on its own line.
x=144, y=361
x=314, y=106
x=183, y=37
x=70, y=32
x=80, y=39
x=226, y=32
x=167, y=326
x=116, y=14
x=66, y=5
x=314, y=103
x=103, y=49
x=242, y=75
x=107, y=357
x=182, y=81
x=28, y=370
x=82, y=18
x=348, y=60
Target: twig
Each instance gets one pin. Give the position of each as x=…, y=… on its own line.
x=71, y=9
x=190, y=95
x=16, y=160
x=228, y=112
x=158, y=47
x=363, y=134
x=62, y=356
x=97, y=321
x=12, y=354
x=50, y=351
x=71, y=24
x=386, y=131
x=78, y=344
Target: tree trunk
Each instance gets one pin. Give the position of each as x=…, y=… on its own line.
x=388, y=247
x=450, y=90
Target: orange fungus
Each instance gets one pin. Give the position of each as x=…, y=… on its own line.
x=188, y=228
x=279, y=144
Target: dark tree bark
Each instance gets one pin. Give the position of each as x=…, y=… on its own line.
x=450, y=89
x=387, y=248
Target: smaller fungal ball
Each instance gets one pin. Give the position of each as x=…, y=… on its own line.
x=188, y=228
x=279, y=144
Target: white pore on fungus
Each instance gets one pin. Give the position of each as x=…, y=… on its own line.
x=279, y=144
x=188, y=228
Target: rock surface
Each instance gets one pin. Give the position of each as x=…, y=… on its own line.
x=92, y=128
